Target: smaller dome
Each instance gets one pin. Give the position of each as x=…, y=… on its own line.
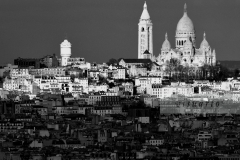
x=204, y=43
x=166, y=44
x=66, y=43
x=145, y=15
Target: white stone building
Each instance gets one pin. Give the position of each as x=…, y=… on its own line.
x=119, y=72
x=57, y=71
x=97, y=88
x=83, y=82
x=65, y=52
x=185, y=49
x=168, y=91
x=20, y=72
x=75, y=61
x=143, y=82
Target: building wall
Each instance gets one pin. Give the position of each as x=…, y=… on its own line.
x=25, y=62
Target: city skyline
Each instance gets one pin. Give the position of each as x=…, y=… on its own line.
x=100, y=30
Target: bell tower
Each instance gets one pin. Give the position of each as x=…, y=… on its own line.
x=145, y=38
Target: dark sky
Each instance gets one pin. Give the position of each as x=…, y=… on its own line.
x=104, y=29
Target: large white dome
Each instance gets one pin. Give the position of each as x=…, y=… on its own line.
x=185, y=23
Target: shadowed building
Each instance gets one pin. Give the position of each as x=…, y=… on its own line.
x=27, y=62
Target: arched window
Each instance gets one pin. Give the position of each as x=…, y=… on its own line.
x=142, y=29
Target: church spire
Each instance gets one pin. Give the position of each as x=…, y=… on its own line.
x=145, y=15
x=145, y=39
x=145, y=5
x=185, y=8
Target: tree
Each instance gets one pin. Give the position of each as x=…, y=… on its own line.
x=222, y=73
x=6, y=74
x=102, y=79
x=90, y=80
x=148, y=66
x=205, y=69
x=171, y=66
x=236, y=73
x=112, y=61
x=192, y=72
x=72, y=77
x=179, y=70
x=186, y=72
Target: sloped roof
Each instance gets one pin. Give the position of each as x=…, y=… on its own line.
x=146, y=52
x=156, y=64
x=137, y=60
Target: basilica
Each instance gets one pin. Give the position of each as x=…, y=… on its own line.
x=185, y=49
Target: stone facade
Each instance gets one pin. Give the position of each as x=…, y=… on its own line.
x=185, y=49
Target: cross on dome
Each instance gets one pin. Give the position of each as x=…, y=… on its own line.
x=145, y=5
x=166, y=36
x=185, y=8
x=185, y=24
